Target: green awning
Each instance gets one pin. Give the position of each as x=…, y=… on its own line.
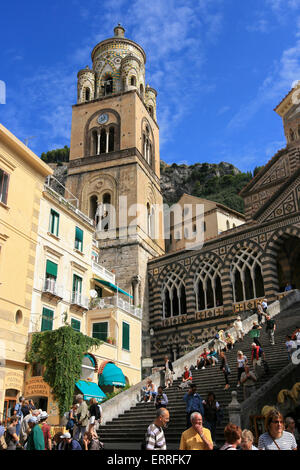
x=90, y=390
x=51, y=268
x=112, y=286
x=112, y=375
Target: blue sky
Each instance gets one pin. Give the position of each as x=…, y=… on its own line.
x=219, y=66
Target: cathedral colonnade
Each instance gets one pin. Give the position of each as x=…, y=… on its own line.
x=195, y=294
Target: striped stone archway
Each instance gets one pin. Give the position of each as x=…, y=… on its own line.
x=270, y=259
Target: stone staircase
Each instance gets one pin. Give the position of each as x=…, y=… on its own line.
x=127, y=431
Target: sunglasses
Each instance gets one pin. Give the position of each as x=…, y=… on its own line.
x=277, y=422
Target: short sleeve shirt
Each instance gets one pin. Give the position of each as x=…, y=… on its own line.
x=285, y=442
x=191, y=440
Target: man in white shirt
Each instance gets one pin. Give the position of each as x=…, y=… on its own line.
x=238, y=325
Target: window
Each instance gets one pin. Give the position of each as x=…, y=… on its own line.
x=77, y=288
x=51, y=275
x=75, y=324
x=77, y=284
x=47, y=319
x=87, y=94
x=78, y=239
x=100, y=331
x=125, y=336
x=133, y=81
x=87, y=368
x=54, y=223
x=4, y=178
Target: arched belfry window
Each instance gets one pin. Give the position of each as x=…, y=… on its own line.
x=93, y=208
x=141, y=91
x=106, y=201
x=148, y=146
x=207, y=284
x=87, y=94
x=150, y=221
x=111, y=139
x=174, y=295
x=133, y=81
x=292, y=135
x=107, y=85
x=246, y=275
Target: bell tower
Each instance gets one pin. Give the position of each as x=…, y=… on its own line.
x=114, y=167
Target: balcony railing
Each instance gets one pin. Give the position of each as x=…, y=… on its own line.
x=108, y=302
x=50, y=286
x=78, y=299
x=103, y=272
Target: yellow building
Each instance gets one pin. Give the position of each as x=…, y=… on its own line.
x=22, y=176
x=71, y=286
x=185, y=222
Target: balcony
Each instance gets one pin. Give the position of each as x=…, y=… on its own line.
x=102, y=272
x=52, y=289
x=79, y=301
x=115, y=301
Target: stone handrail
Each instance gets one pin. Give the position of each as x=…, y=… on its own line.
x=117, y=405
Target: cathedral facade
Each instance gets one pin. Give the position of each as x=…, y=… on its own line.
x=194, y=294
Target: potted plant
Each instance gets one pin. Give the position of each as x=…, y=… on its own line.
x=110, y=340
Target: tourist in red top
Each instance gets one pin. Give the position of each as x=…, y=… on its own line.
x=186, y=378
x=46, y=430
x=203, y=361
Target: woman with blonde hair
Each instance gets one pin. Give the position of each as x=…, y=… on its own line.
x=247, y=440
x=94, y=415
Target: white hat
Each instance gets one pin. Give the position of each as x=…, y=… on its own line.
x=43, y=415
x=67, y=435
x=238, y=318
x=33, y=419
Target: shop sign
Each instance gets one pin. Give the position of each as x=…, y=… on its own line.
x=36, y=387
x=14, y=380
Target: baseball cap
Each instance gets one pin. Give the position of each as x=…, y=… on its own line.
x=66, y=435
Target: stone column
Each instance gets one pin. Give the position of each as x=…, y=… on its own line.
x=107, y=141
x=234, y=410
x=98, y=144
x=136, y=280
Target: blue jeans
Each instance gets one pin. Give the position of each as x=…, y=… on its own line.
x=79, y=432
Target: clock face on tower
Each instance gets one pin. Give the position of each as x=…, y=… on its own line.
x=103, y=118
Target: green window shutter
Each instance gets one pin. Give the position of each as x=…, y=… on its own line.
x=51, y=269
x=54, y=222
x=75, y=324
x=100, y=330
x=77, y=284
x=47, y=319
x=125, y=336
x=78, y=239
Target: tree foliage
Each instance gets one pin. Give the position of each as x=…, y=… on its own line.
x=61, y=351
x=57, y=155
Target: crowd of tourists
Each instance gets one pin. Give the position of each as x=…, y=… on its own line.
x=28, y=429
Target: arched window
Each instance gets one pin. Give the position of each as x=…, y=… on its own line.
x=94, y=143
x=133, y=81
x=93, y=207
x=227, y=225
x=207, y=284
x=150, y=109
x=108, y=86
x=141, y=90
x=87, y=94
x=246, y=275
x=111, y=139
x=106, y=201
x=87, y=368
x=174, y=295
x=103, y=141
